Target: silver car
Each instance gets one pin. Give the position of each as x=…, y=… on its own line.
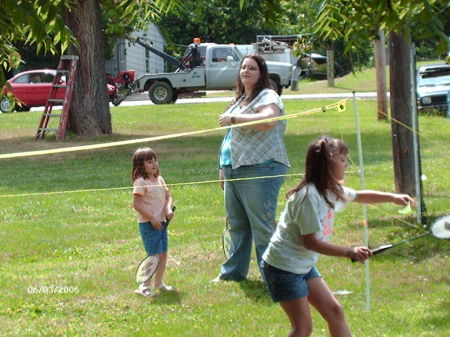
x=433, y=87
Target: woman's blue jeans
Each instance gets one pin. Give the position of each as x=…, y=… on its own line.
x=251, y=206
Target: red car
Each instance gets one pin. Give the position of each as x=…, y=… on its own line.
x=31, y=88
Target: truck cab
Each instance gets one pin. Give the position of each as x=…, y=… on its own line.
x=207, y=66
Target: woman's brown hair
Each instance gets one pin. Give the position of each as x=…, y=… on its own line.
x=140, y=156
x=263, y=82
x=319, y=168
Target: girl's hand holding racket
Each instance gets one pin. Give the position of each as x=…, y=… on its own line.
x=169, y=214
x=359, y=254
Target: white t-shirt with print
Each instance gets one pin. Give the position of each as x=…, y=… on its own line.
x=306, y=212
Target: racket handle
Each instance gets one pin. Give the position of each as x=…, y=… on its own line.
x=173, y=210
x=381, y=249
x=378, y=250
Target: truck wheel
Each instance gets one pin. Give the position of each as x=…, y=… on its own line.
x=276, y=87
x=160, y=93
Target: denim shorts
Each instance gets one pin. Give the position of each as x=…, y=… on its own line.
x=284, y=285
x=155, y=241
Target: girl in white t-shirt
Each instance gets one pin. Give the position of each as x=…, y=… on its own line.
x=302, y=233
x=153, y=204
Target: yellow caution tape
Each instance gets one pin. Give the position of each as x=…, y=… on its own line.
x=338, y=105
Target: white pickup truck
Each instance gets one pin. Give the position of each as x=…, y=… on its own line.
x=207, y=66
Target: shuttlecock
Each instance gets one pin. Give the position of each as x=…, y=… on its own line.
x=406, y=210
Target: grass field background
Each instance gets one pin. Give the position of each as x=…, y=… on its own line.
x=74, y=231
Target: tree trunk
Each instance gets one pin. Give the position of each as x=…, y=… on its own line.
x=380, y=64
x=400, y=89
x=330, y=65
x=90, y=114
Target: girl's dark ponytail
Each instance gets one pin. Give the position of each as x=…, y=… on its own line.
x=319, y=166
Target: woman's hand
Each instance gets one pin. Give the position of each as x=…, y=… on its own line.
x=221, y=178
x=225, y=119
x=359, y=253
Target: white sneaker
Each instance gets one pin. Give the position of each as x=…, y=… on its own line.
x=217, y=280
x=165, y=287
x=145, y=291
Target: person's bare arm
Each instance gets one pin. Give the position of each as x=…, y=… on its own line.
x=265, y=112
x=169, y=205
x=356, y=253
x=221, y=178
x=371, y=197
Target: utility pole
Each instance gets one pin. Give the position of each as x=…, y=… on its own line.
x=380, y=65
x=330, y=64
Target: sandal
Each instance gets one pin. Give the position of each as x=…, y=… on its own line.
x=146, y=292
x=165, y=287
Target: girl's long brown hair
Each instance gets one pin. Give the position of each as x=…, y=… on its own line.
x=319, y=168
x=141, y=155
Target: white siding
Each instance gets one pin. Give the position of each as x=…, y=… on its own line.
x=111, y=66
x=132, y=56
x=118, y=62
x=135, y=58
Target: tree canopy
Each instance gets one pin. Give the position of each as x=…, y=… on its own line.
x=33, y=22
x=39, y=25
x=358, y=21
x=219, y=21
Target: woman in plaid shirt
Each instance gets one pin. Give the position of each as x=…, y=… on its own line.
x=253, y=160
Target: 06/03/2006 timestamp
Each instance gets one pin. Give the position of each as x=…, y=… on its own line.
x=52, y=289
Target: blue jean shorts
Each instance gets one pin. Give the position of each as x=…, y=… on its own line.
x=155, y=241
x=284, y=285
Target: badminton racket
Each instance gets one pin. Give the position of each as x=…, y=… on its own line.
x=439, y=229
x=147, y=268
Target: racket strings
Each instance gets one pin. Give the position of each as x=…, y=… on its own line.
x=147, y=268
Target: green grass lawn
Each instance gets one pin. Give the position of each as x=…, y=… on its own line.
x=70, y=246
